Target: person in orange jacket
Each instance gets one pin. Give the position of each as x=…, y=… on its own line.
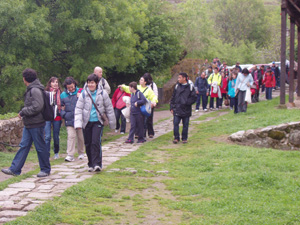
x=270, y=82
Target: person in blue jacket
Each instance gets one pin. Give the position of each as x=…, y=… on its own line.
x=202, y=90
x=231, y=92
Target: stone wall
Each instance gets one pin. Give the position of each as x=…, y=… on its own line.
x=10, y=131
x=284, y=136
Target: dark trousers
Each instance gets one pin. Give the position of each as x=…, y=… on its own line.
x=234, y=104
x=92, y=139
x=221, y=99
x=149, y=124
x=242, y=104
x=185, y=128
x=136, y=126
x=119, y=114
x=269, y=93
x=204, y=101
x=211, y=102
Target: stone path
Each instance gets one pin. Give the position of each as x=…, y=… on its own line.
x=24, y=196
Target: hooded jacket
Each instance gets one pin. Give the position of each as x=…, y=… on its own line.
x=84, y=107
x=33, y=105
x=182, y=100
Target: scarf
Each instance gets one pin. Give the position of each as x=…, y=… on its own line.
x=56, y=97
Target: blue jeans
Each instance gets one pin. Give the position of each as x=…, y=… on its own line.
x=35, y=135
x=56, y=128
x=185, y=122
x=269, y=93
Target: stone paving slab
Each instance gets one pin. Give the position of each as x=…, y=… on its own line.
x=24, y=196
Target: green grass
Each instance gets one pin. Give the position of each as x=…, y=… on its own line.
x=8, y=116
x=209, y=182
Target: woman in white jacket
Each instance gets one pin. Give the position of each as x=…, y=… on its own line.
x=93, y=103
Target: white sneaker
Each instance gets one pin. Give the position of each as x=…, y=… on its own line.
x=81, y=156
x=97, y=169
x=205, y=110
x=116, y=130
x=197, y=110
x=69, y=159
x=91, y=169
x=122, y=133
x=56, y=156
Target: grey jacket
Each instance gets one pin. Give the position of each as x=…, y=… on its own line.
x=33, y=106
x=84, y=107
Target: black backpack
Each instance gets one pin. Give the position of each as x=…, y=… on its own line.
x=48, y=109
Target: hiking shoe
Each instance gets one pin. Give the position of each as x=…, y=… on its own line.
x=141, y=141
x=122, y=133
x=56, y=156
x=116, y=131
x=91, y=169
x=175, y=141
x=42, y=174
x=197, y=110
x=81, y=156
x=9, y=172
x=69, y=159
x=151, y=136
x=184, y=142
x=129, y=141
x=205, y=110
x=97, y=169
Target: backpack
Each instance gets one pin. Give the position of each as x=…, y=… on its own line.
x=48, y=110
x=146, y=108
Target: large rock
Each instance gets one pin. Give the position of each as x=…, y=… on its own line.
x=294, y=138
x=238, y=136
x=276, y=134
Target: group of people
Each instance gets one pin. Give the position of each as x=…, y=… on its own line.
x=231, y=85
x=85, y=111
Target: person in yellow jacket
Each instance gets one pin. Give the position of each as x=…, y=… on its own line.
x=147, y=92
x=214, y=81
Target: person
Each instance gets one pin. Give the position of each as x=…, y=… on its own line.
x=276, y=72
x=91, y=104
x=183, y=97
x=33, y=130
x=231, y=91
x=202, y=90
x=103, y=84
x=118, y=105
x=224, y=69
x=136, y=118
x=68, y=101
x=214, y=81
x=149, y=120
x=208, y=72
x=54, y=87
x=237, y=65
x=262, y=72
x=148, y=93
x=270, y=82
x=243, y=81
x=256, y=75
x=223, y=88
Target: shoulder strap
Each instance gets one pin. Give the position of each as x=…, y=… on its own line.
x=103, y=82
x=145, y=90
x=94, y=103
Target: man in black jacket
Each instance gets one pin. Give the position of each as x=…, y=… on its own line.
x=183, y=97
x=33, y=130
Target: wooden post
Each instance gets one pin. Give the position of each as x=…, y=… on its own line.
x=283, y=54
x=298, y=71
x=292, y=64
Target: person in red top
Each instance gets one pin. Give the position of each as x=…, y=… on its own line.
x=223, y=88
x=270, y=82
x=53, y=86
x=119, y=104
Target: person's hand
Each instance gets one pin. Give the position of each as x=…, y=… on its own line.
x=206, y=94
x=135, y=104
x=119, y=86
x=197, y=92
x=78, y=94
x=19, y=115
x=171, y=111
x=248, y=84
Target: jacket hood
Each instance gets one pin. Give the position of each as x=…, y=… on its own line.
x=36, y=84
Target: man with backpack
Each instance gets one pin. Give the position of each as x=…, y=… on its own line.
x=103, y=84
x=183, y=97
x=33, y=131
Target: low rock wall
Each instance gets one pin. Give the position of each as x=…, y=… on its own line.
x=10, y=132
x=284, y=136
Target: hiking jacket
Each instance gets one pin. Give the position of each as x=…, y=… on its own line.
x=201, y=85
x=31, y=113
x=231, y=88
x=259, y=77
x=84, y=107
x=224, y=85
x=184, y=96
x=140, y=99
x=68, y=100
x=215, y=78
x=269, y=80
x=242, y=80
x=117, y=99
x=147, y=92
